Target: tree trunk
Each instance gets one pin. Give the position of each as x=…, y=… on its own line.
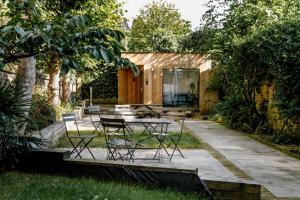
x=78, y=86
x=66, y=88
x=25, y=81
x=26, y=77
x=53, y=85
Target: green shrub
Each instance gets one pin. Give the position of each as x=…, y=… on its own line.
x=64, y=108
x=42, y=113
x=285, y=139
x=253, y=43
x=13, y=120
x=238, y=113
x=105, y=84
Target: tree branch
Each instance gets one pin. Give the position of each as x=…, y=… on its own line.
x=13, y=58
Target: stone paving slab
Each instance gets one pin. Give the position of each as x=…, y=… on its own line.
x=208, y=167
x=278, y=172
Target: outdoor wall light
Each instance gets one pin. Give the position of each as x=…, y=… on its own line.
x=152, y=69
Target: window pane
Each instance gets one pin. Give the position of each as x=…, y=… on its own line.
x=181, y=87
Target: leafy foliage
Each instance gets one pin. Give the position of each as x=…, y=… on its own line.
x=47, y=28
x=253, y=42
x=158, y=28
x=42, y=114
x=199, y=40
x=12, y=119
x=105, y=84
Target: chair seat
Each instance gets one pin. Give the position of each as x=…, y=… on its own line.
x=83, y=136
x=121, y=143
x=161, y=134
x=115, y=134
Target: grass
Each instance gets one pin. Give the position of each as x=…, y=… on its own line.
x=188, y=141
x=25, y=186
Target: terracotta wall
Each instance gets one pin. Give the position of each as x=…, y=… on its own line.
x=153, y=65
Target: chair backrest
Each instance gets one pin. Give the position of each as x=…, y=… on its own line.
x=69, y=117
x=93, y=109
x=179, y=120
x=113, y=123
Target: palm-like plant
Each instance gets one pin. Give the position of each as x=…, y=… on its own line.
x=13, y=107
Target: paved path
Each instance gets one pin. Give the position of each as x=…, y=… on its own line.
x=279, y=173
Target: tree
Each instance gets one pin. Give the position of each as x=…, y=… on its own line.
x=158, y=28
x=255, y=41
x=100, y=14
x=35, y=28
x=199, y=41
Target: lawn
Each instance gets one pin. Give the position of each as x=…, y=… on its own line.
x=188, y=141
x=24, y=186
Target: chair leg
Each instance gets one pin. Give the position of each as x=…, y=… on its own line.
x=110, y=153
x=131, y=154
x=176, y=148
x=75, y=148
x=85, y=146
x=96, y=129
x=180, y=152
x=161, y=143
x=158, y=151
x=91, y=152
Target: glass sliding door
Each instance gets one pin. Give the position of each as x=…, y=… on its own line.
x=181, y=87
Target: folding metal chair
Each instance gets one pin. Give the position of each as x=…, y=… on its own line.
x=95, y=111
x=125, y=110
x=84, y=140
x=175, y=139
x=163, y=134
x=116, y=141
x=160, y=131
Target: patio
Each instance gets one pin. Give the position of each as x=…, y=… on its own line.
x=280, y=175
x=174, y=65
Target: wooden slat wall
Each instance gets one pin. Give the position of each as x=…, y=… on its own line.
x=153, y=65
x=129, y=87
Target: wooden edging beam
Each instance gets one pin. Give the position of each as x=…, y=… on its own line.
x=59, y=162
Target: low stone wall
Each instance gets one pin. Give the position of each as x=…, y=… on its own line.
x=53, y=132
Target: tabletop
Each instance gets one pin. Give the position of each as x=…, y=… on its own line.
x=133, y=119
